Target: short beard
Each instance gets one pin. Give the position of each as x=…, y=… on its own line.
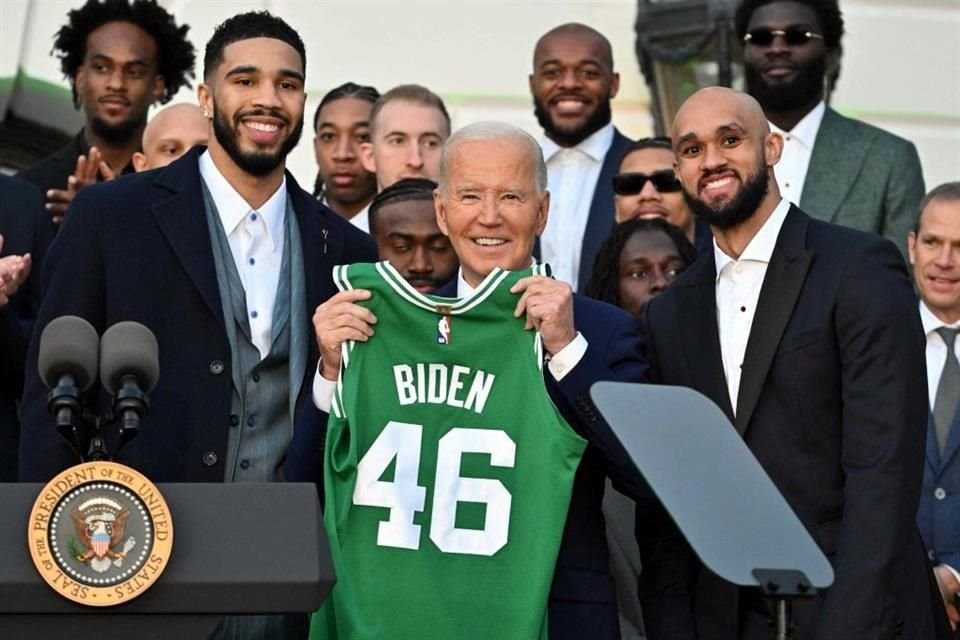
x=571, y=138
x=738, y=210
x=806, y=88
x=121, y=133
x=256, y=163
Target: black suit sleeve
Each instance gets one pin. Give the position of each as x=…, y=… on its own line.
x=73, y=284
x=884, y=419
x=668, y=562
x=25, y=227
x=614, y=353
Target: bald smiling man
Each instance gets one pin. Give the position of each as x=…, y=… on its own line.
x=170, y=134
x=807, y=336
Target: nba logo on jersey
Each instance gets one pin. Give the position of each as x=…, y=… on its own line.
x=443, y=330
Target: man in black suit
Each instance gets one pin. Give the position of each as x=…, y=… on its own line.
x=24, y=236
x=492, y=203
x=572, y=84
x=807, y=336
x=120, y=57
x=149, y=248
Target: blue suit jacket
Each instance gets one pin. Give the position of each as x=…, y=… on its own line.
x=582, y=602
x=939, y=514
x=601, y=219
x=25, y=227
x=138, y=248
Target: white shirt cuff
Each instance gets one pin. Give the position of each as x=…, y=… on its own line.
x=568, y=357
x=952, y=570
x=323, y=391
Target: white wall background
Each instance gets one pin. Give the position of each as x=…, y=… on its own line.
x=901, y=67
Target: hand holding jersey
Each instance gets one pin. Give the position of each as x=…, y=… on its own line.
x=547, y=303
x=340, y=320
x=446, y=466
x=492, y=204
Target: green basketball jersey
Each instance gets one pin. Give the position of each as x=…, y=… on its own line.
x=448, y=470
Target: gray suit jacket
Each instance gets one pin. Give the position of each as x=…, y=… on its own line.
x=863, y=177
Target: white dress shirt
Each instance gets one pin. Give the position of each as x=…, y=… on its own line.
x=560, y=363
x=791, y=171
x=361, y=220
x=738, y=291
x=572, y=175
x=256, y=242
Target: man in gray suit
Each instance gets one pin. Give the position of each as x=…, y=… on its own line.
x=835, y=168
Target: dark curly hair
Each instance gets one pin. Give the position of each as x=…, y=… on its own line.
x=175, y=53
x=244, y=26
x=604, y=284
x=828, y=14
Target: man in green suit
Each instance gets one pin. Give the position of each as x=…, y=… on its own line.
x=835, y=168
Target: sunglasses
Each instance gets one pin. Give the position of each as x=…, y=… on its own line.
x=630, y=184
x=793, y=36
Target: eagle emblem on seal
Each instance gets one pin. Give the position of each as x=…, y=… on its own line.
x=99, y=524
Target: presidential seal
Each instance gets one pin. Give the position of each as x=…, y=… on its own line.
x=100, y=534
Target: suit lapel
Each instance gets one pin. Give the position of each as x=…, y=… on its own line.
x=700, y=337
x=318, y=257
x=834, y=165
x=778, y=295
x=322, y=245
x=601, y=218
x=182, y=221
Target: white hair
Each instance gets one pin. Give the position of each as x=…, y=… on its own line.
x=491, y=130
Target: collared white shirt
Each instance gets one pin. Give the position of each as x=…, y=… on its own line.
x=560, y=363
x=256, y=242
x=791, y=171
x=572, y=175
x=361, y=220
x=738, y=291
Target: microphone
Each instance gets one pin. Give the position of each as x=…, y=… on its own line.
x=67, y=363
x=129, y=369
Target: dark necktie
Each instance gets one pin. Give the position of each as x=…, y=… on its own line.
x=948, y=390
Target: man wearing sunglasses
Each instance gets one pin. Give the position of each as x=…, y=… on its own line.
x=647, y=187
x=835, y=168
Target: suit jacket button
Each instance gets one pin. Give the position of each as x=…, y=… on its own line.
x=216, y=367
x=939, y=493
x=209, y=458
x=932, y=555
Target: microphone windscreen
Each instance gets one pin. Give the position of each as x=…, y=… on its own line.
x=129, y=348
x=68, y=344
